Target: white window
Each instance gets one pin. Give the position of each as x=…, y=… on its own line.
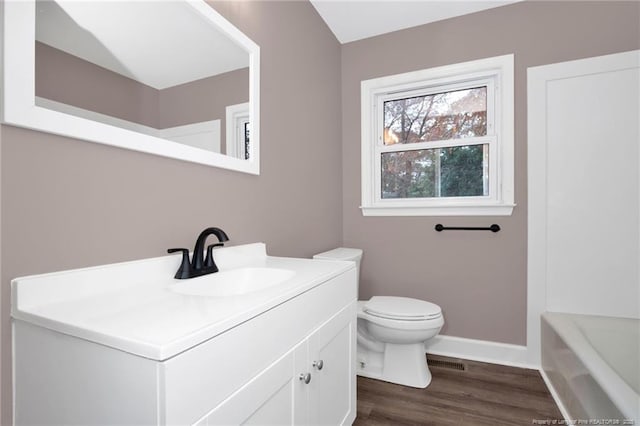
x=238, y=131
x=439, y=141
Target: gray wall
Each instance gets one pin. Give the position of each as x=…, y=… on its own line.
x=478, y=278
x=203, y=100
x=73, y=81
x=68, y=204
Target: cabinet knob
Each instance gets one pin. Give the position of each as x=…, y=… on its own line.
x=318, y=364
x=306, y=378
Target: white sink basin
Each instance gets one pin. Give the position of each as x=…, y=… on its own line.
x=233, y=282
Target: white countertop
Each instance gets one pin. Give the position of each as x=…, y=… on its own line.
x=130, y=306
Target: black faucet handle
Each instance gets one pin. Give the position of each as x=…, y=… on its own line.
x=208, y=262
x=184, y=271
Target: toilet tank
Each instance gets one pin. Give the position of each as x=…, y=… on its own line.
x=342, y=253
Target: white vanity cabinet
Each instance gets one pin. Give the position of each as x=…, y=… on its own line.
x=312, y=384
x=253, y=372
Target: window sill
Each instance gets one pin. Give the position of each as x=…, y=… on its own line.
x=476, y=210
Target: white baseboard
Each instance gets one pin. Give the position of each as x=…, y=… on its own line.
x=480, y=350
x=494, y=353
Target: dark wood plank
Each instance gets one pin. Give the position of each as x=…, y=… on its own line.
x=482, y=394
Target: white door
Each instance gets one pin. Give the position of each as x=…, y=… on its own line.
x=584, y=188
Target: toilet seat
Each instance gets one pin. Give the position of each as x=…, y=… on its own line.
x=402, y=308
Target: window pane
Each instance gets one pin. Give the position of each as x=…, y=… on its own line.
x=442, y=116
x=460, y=171
x=247, y=140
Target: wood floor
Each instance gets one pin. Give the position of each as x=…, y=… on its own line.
x=482, y=394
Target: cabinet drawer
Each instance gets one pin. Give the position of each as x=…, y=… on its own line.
x=201, y=378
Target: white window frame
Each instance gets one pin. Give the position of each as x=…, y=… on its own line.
x=237, y=116
x=497, y=75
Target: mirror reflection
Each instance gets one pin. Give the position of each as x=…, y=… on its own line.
x=155, y=67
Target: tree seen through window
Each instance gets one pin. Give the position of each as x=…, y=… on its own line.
x=457, y=171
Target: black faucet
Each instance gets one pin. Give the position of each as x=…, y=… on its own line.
x=200, y=265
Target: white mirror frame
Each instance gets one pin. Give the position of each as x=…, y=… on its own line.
x=18, y=106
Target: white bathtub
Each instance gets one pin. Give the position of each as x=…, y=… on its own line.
x=592, y=364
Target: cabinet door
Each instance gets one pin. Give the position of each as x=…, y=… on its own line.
x=265, y=400
x=332, y=390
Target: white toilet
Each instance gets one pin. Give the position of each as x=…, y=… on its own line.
x=392, y=332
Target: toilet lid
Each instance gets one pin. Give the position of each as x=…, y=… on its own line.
x=404, y=308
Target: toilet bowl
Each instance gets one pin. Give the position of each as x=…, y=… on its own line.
x=392, y=332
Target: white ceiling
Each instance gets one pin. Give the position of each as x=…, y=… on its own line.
x=158, y=43
x=352, y=20
x=138, y=39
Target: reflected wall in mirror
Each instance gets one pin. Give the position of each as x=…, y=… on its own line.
x=174, y=73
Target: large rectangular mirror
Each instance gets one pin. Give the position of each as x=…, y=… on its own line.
x=172, y=78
